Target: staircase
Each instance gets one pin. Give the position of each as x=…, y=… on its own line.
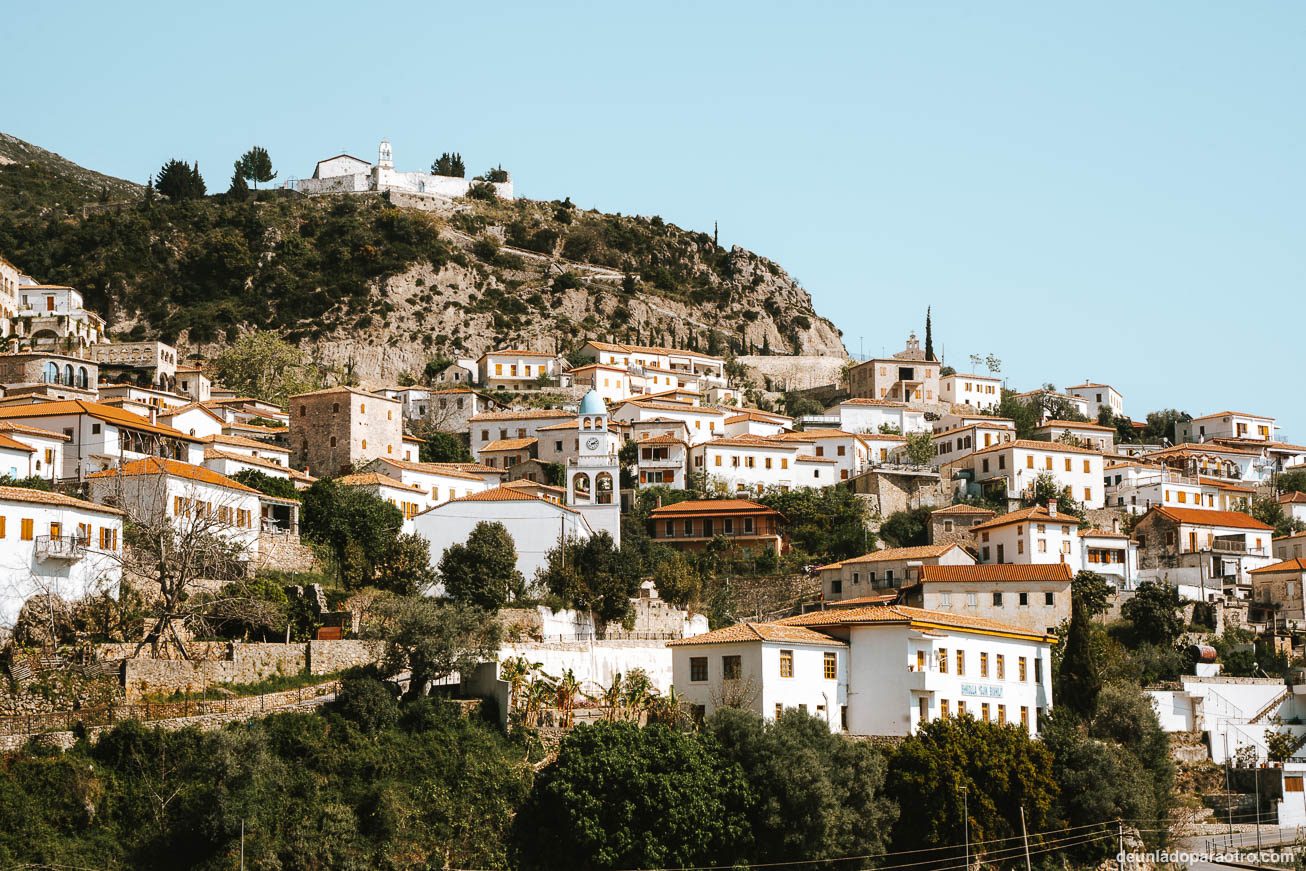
x=1271, y=706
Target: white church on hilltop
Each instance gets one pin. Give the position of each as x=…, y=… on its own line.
x=344, y=174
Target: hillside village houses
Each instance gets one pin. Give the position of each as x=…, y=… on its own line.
x=896, y=637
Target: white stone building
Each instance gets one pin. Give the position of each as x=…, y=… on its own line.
x=1014, y=467
x=1098, y=397
x=51, y=543
x=874, y=670
x=493, y=426
x=1226, y=425
x=877, y=415
x=981, y=392
x=1030, y=536
x=594, y=477
x=345, y=173
x=440, y=481
x=889, y=569
x=702, y=422
x=1035, y=598
x=753, y=464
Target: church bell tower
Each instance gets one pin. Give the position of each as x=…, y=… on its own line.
x=594, y=477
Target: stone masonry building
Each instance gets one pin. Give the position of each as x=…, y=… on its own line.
x=335, y=429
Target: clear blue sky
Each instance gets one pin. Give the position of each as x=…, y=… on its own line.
x=1113, y=192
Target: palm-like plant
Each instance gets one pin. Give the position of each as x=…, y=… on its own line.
x=668, y=710
x=539, y=692
x=515, y=670
x=565, y=694
x=611, y=699
x=636, y=693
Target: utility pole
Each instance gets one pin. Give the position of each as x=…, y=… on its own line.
x=1121, y=858
x=965, y=823
x=1228, y=794
x=1257, y=777
x=242, y=844
x=1024, y=834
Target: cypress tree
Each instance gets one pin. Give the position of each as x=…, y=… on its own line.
x=929, y=335
x=1078, y=681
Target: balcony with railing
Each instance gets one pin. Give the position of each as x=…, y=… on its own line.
x=60, y=547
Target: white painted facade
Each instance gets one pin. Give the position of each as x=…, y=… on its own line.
x=345, y=173
x=499, y=425
x=982, y=392
x=755, y=464
x=55, y=544
x=440, y=482
x=1098, y=397
x=1077, y=470
x=873, y=415
x=1227, y=425
x=1030, y=537
x=702, y=423
x=965, y=439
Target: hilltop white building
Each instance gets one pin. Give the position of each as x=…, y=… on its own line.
x=345, y=173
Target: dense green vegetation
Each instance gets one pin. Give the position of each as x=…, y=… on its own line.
x=40, y=181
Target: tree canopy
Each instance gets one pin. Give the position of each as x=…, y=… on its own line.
x=256, y=166
x=177, y=181
x=265, y=366
x=483, y=570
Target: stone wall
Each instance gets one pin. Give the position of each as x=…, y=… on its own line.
x=285, y=553
x=224, y=663
x=888, y=492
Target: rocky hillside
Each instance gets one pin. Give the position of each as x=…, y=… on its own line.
x=379, y=290
x=33, y=179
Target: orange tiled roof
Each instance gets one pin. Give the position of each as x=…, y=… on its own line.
x=295, y=475
x=711, y=506
x=923, y=551
x=523, y=414
x=376, y=479
x=905, y=615
x=998, y=572
x=1074, y=424
x=648, y=349
x=175, y=469
x=34, y=431
x=1035, y=445
x=877, y=403
x=517, y=352
x=523, y=484
x=1293, y=565
x=14, y=444
x=963, y=509
x=1037, y=514
x=42, y=497
x=1293, y=498
x=452, y=470
x=1210, y=517
x=242, y=442
x=508, y=444
x=106, y=413
x=748, y=632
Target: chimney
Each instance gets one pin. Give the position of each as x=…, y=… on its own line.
x=1115, y=525
x=1052, y=508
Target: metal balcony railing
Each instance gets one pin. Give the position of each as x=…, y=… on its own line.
x=64, y=547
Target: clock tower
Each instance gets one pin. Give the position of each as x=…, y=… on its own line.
x=594, y=477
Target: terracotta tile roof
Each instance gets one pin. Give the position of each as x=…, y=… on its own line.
x=648, y=349
x=41, y=497
x=97, y=410
x=1037, y=514
x=1224, y=485
x=451, y=470
x=242, y=442
x=711, y=506
x=749, y=441
x=990, y=572
x=963, y=509
x=522, y=414
x=924, y=551
x=173, y=469
x=1208, y=517
x=376, y=479
x=523, y=484
x=517, y=352
x=751, y=632
x=875, y=403
x=1035, y=445
x=760, y=417
x=508, y=445
x=15, y=445
x=1074, y=424
x=500, y=494
x=10, y=426
x=808, y=458
x=1087, y=384
x=858, y=601
x=323, y=392
x=1233, y=414
x=1291, y=537
x=1292, y=565
x=1293, y=498
x=871, y=615
x=661, y=440
x=672, y=405
x=295, y=475
x=1096, y=532
x=190, y=406
x=558, y=427
x=1189, y=448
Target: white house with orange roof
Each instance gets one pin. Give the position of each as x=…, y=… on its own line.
x=852, y=453
x=54, y=544
x=1033, y=597
x=753, y=464
x=702, y=422
x=536, y=525
x=516, y=368
x=1039, y=535
x=887, y=569
x=882, y=670
x=45, y=459
x=1294, y=505
x=1098, y=397
x=1082, y=433
x=100, y=436
x=614, y=383
x=495, y=426
x=193, y=419
x=1111, y=553
x=705, y=369
x=965, y=439
x=1289, y=546
x=981, y=392
x=411, y=500
x=1009, y=470
x=440, y=481
x=1214, y=460
x=750, y=421
x=1212, y=551
x=1226, y=425
x=192, y=498
x=662, y=461
x=877, y=415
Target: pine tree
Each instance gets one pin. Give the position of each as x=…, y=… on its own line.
x=177, y=181
x=449, y=164
x=929, y=335
x=239, y=190
x=256, y=165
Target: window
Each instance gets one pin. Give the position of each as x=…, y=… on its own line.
x=698, y=668
x=984, y=711
x=1000, y=662
x=26, y=530
x=1067, y=464
x=1024, y=717
x=1002, y=715
x=943, y=660
x=1087, y=467
x=961, y=708
x=1049, y=599
x=972, y=600
x=56, y=530
x=786, y=663
x=984, y=665
x=1023, y=599
x=997, y=600
x=1029, y=461
x=1021, y=669
x=945, y=600
x=831, y=666
x=943, y=709
x=920, y=660
x=731, y=667
x=961, y=663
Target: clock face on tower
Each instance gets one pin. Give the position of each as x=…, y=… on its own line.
x=592, y=443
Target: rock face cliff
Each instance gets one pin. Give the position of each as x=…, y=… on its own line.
x=376, y=288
